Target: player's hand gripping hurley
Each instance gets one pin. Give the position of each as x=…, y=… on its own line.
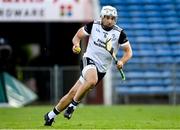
x=110, y=49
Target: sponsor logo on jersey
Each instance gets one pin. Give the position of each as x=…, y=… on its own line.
x=100, y=43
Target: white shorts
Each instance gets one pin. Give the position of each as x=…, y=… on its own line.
x=86, y=64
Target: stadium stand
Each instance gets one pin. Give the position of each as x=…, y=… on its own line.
x=153, y=28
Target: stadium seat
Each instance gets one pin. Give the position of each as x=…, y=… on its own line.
x=153, y=28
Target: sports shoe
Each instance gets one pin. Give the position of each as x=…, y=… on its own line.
x=48, y=122
x=68, y=112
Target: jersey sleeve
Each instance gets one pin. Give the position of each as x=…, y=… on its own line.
x=88, y=27
x=122, y=38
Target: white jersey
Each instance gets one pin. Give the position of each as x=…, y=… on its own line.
x=96, y=44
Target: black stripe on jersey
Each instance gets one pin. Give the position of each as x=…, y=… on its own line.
x=117, y=28
x=97, y=22
x=122, y=38
x=88, y=27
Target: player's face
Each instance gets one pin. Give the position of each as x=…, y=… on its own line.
x=108, y=21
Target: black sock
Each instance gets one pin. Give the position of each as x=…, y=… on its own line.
x=56, y=111
x=74, y=102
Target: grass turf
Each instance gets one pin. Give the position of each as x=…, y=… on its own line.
x=95, y=117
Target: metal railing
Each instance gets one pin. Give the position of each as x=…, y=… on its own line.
x=54, y=82
x=148, y=80
x=50, y=83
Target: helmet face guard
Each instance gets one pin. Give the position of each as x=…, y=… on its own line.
x=108, y=11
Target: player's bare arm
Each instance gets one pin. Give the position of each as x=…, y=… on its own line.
x=126, y=55
x=76, y=40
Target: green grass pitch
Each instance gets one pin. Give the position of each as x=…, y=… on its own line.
x=95, y=117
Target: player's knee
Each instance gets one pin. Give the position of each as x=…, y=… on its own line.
x=92, y=83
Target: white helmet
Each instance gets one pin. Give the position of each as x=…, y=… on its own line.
x=109, y=11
